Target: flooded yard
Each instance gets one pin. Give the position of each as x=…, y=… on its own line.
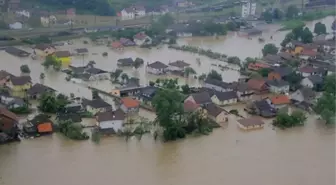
x=302, y=155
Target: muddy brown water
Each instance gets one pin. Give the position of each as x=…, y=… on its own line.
x=298, y=156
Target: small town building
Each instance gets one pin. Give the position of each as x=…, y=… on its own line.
x=63, y=56
x=286, y=56
x=244, y=92
x=272, y=59
x=16, y=26
x=157, y=68
x=129, y=105
x=40, y=124
x=182, y=3
x=179, y=65
x=259, y=86
x=16, y=52
x=19, y=84
x=127, y=42
x=201, y=98
x=125, y=62
x=8, y=126
x=315, y=82
x=278, y=86
x=96, y=105
x=217, y=85
x=110, y=122
x=97, y=74
x=250, y=123
x=81, y=51
x=303, y=97
x=5, y=77
x=279, y=73
x=280, y=101
x=308, y=54
x=37, y=90
x=250, y=32
x=117, y=45
x=326, y=45
x=216, y=113
x=224, y=98
x=43, y=50
x=11, y=102
x=263, y=108
x=141, y=38
x=132, y=12
x=147, y=94
x=189, y=106
x=73, y=108
x=308, y=71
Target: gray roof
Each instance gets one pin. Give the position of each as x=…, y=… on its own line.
x=277, y=83
x=315, y=79
x=218, y=83
x=202, y=98
x=39, y=89
x=222, y=96
x=157, y=65
x=213, y=109
x=96, y=103
x=179, y=64
x=125, y=61
x=20, y=80
x=251, y=121
x=111, y=116
x=283, y=71
x=307, y=93
x=82, y=50
x=95, y=71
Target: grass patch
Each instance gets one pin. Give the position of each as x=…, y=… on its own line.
x=289, y=25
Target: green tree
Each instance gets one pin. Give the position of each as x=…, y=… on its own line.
x=42, y=76
x=292, y=12
x=169, y=112
x=124, y=77
x=320, y=28
x=50, y=103
x=268, y=16
x=278, y=14
x=264, y=72
x=95, y=94
x=326, y=104
x=166, y=19
x=24, y=69
x=151, y=83
x=185, y=89
x=269, y=49
x=51, y=61
x=234, y=60
x=214, y=75
x=137, y=63
x=72, y=130
x=116, y=74
x=307, y=36
x=170, y=83
x=202, y=77
x=189, y=71
x=232, y=26
x=294, y=80
x=288, y=38
x=34, y=21
x=284, y=120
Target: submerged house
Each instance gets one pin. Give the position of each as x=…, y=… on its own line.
x=141, y=38
x=250, y=32
x=157, y=68
x=250, y=123
x=81, y=51
x=129, y=105
x=97, y=74
x=127, y=42
x=63, y=56
x=217, y=85
x=16, y=52
x=37, y=90
x=278, y=86
x=110, y=122
x=116, y=45
x=263, y=108
x=201, y=98
x=43, y=50
x=179, y=65
x=125, y=62
x=96, y=105
x=224, y=98
x=216, y=113
x=147, y=94
x=40, y=124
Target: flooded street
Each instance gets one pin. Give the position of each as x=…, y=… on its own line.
x=297, y=156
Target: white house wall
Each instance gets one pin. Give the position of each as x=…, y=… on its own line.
x=115, y=124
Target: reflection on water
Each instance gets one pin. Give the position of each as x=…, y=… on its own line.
x=304, y=155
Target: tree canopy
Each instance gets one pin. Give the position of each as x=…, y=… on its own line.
x=284, y=120
x=269, y=49
x=320, y=28
x=292, y=12
x=214, y=75
x=24, y=69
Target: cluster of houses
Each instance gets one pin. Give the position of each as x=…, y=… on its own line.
x=140, y=39
x=315, y=62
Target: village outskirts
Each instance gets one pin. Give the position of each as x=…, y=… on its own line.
x=278, y=89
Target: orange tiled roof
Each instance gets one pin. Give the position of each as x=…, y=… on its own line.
x=44, y=127
x=280, y=99
x=130, y=102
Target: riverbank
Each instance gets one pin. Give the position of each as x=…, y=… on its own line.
x=308, y=16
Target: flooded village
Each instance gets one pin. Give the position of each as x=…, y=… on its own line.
x=111, y=88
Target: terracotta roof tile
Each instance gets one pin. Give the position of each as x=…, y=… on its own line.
x=256, y=84
x=280, y=99
x=44, y=127
x=130, y=102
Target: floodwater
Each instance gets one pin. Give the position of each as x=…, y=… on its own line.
x=298, y=156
